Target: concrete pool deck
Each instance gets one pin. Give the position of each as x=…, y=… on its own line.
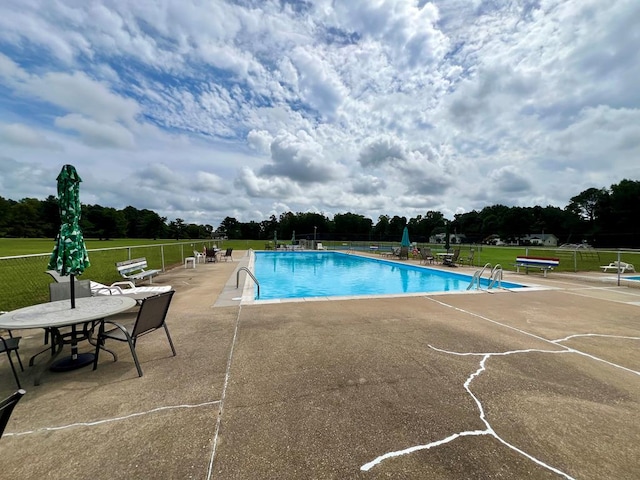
x=536, y=384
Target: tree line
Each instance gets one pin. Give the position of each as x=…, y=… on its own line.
x=605, y=217
x=33, y=218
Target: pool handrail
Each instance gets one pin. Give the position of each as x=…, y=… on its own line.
x=250, y=274
x=477, y=276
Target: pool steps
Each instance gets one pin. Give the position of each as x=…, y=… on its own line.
x=495, y=277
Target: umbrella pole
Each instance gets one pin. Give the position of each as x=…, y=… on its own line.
x=74, y=345
x=73, y=292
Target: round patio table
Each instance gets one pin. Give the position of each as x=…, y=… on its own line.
x=55, y=315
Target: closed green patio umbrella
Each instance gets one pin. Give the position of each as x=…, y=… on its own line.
x=447, y=245
x=69, y=255
x=405, y=238
x=405, y=244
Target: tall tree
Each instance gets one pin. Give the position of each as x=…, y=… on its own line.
x=231, y=227
x=152, y=225
x=50, y=215
x=381, y=229
x=177, y=228
x=586, y=203
x=26, y=220
x=352, y=226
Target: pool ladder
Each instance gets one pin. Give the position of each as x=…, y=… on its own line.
x=495, y=277
x=250, y=274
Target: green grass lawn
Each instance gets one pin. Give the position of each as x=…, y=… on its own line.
x=23, y=280
x=25, y=246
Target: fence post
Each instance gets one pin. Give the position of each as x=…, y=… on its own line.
x=162, y=256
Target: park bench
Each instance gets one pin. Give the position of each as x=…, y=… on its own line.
x=544, y=264
x=136, y=269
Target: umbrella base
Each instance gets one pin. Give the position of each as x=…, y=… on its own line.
x=68, y=363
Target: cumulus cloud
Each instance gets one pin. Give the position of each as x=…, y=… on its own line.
x=97, y=134
x=21, y=135
x=509, y=179
x=318, y=83
x=384, y=107
x=300, y=158
x=211, y=183
x=260, y=187
x=380, y=151
x=259, y=140
x=40, y=178
x=368, y=185
x=77, y=92
x=407, y=31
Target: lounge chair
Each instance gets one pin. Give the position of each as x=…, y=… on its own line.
x=451, y=261
x=622, y=267
x=127, y=287
x=227, y=254
x=426, y=256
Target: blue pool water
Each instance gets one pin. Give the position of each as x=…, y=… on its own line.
x=324, y=274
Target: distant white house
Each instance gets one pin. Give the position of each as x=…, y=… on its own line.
x=493, y=239
x=453, y=238
x=540, y=239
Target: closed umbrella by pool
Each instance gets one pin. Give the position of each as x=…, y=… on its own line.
x=405, y=238
x=405, y=244
x=69, y=255
x=447, y=245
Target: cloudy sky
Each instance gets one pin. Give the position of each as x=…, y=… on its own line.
x=202, y=109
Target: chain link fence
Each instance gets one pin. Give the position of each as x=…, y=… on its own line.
x=24, y=282
x=571, y=259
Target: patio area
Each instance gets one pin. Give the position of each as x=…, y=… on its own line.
x=537, y=384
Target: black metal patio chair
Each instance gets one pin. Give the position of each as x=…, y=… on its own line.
x=227, y=254
x=9, y=344
x=6, y=408
x=151, y=317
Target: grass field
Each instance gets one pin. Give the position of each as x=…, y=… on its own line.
x=23, y=281
x=26, y=246
x=22, y=276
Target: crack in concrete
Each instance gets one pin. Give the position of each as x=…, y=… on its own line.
x=486, y=356
x=109, y=420
x=489, y=429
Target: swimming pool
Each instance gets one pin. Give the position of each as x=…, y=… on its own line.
x=327, y=274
